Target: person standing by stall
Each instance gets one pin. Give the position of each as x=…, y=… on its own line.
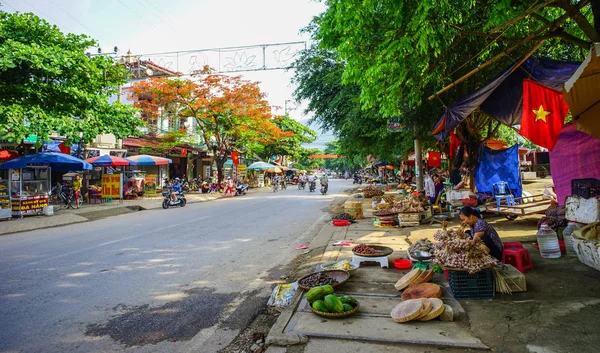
x=77, y=189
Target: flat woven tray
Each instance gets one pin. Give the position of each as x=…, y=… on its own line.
x=381, y=251
x=336, y=315
x=340, y=275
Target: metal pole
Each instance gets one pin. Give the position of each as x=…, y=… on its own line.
x=418, y=165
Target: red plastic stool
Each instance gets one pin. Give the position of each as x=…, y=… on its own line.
x=512, y=244
x=518, y=257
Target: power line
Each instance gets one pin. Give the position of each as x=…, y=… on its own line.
x=81, y=24
x=158, y=15
x=43, y=14
x=5, y=3
x=140, y=16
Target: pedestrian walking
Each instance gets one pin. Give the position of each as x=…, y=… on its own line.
x=229, y=187
x=77, y=189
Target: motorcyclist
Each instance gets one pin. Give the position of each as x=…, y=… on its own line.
x=324, y=181
x=175, y=190
x=312, y=179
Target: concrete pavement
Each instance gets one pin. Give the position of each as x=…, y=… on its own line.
x=177, y=280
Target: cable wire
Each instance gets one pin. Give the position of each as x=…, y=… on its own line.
x=141, y=17
x=158, y=15
x=91, y=33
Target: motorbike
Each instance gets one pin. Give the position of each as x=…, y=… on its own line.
x=241, y=189
x=283, y=185
x=181, y=201
x=324, y=188
x=357, y=180
x=312, y=187
x=301, y=185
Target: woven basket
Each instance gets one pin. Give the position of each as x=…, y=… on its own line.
x=336, y=315
x=340, y=275
x=381, y=251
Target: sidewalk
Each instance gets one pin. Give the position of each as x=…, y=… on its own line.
x=557, y=313
x=95, y=211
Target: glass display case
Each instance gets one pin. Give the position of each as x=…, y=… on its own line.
x=29, y=189
x=5, y=205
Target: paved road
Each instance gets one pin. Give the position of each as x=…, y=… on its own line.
x=177, y=280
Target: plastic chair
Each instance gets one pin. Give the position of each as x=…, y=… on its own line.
x=518, y=257
x=503, y=192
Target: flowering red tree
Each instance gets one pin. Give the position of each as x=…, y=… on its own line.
x=230, y=112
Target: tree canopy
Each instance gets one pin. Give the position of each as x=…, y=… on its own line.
x=289, y=145
x=230, y=112
x=48, y=84
x=377, y=59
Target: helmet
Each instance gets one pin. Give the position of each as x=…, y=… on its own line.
x=228, y=177
x=177, y=179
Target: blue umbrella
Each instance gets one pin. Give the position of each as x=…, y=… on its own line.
x=56, y=161
x=261, y=166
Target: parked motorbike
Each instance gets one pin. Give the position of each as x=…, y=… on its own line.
x=357, y=180
x=180, y=202
x=324, y=188
x=241, y=189
x=301, y=185
x=312, y=187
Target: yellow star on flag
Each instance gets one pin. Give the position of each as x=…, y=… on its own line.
x=540, y=114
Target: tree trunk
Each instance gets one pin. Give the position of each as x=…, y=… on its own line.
x=220, y=164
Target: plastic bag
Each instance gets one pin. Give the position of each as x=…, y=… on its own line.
x=282, y=295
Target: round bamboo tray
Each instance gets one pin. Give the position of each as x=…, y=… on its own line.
x=340, y=275
x=381, y=251
x=336, y=315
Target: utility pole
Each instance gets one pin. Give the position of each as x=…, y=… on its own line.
x=418, y=164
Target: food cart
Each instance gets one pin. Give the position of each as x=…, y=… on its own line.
x=30, y=179
x=29, y=189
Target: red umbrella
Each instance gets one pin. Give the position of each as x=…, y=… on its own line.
x=109, y=161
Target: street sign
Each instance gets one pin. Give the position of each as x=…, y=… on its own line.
x=393, y=125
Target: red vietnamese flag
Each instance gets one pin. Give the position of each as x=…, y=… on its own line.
x=434, y=159
x=235, y=157
x=544, y=112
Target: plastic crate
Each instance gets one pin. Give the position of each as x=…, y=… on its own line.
x=480, y=285
x=586, y=188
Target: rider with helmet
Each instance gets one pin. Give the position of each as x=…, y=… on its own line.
x=175, y=190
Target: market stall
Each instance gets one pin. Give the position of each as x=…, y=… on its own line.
x=110, y=187
x=29, y=175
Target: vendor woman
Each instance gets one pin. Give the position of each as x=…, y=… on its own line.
x=482, y=230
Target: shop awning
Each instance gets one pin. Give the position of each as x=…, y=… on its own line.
x=501, y=97
x=582, y=95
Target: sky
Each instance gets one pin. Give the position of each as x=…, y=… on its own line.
x=159, y=26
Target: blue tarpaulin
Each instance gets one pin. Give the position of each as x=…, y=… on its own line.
x=502, y=97
x=498, y=166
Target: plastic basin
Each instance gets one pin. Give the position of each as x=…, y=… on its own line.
x=340, y=223
x=402, y=264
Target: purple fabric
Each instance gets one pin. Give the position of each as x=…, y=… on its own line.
x=501, y=97
x=576, y=155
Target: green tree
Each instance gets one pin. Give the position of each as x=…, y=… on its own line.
x=345, y=162
x=303, y=162
x=336, y=107
x=287, y=145
x=48, y=84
